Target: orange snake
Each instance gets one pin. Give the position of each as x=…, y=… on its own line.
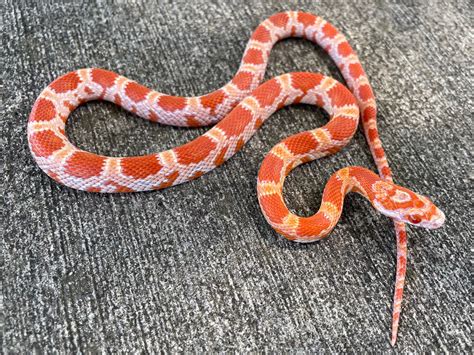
x=239, y=108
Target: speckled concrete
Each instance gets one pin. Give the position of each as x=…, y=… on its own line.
x=196, y=267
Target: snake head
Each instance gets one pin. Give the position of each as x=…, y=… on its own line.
x=406, y=206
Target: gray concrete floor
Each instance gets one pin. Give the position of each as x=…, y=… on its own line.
x=196, y=267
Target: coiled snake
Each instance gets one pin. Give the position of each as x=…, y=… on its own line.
x=239, y=108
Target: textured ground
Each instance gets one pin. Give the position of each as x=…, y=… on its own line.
x=196, y=267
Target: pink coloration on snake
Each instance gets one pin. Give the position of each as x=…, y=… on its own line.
x=239, y=108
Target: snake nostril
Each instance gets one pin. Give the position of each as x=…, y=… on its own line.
x=440, y=219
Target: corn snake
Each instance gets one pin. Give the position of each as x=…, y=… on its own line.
x=238, y=109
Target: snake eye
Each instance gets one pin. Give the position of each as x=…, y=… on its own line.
x=415, y=219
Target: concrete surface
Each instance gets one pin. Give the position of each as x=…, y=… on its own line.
x=196, y=267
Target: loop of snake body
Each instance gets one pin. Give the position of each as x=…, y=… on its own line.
x=239, y=108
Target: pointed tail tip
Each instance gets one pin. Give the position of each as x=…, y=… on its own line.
x=395, y=322
x=394, y=337
x=393, y=341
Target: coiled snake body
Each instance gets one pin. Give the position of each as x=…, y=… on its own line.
x=239, y=108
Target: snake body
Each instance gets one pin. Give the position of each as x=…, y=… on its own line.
x=238, y=109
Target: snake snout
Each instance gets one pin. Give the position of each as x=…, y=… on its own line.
x=436, y=221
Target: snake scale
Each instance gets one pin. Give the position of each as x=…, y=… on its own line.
x=237, y=110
